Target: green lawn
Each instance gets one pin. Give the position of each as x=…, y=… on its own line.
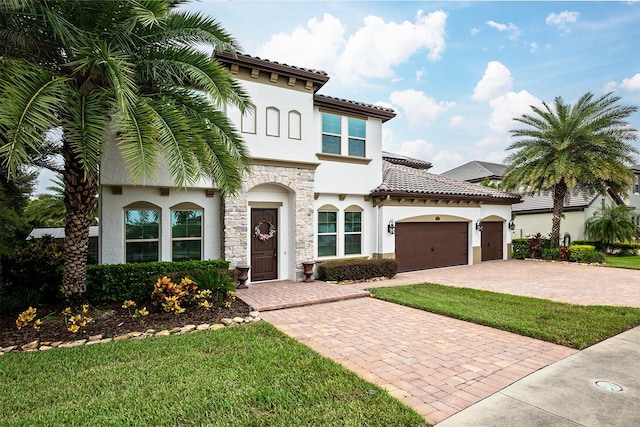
x=632, y=262
x=569, y=325
x=251, y=375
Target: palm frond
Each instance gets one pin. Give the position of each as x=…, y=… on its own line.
x=29, y=96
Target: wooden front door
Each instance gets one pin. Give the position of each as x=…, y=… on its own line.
x=264, y=250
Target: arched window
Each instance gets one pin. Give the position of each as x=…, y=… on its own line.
x=295, y=125
x=273, y=121
x=353, y=230
x=186, y=232
x=327, y=231
x=248, y=120
x=142, y=232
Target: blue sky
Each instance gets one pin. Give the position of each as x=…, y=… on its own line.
x=456, y=73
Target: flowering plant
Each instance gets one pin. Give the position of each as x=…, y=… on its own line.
x=258, y=234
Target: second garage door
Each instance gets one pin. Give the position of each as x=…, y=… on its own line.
x=491, y=241
x=423, y=245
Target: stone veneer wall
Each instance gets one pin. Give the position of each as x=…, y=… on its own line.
x=300, y=182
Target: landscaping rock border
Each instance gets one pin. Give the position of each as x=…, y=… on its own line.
x=253, y=316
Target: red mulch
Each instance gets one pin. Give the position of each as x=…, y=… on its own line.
x=110, y=320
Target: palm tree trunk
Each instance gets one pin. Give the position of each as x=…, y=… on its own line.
x=79, y=199
x=559, y=193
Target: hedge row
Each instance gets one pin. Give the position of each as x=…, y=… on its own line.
x=119, y=282
x=356, y=269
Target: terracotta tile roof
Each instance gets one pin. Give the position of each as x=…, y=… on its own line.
x=317, y=76
x=399, y=159
x=476, y=171
x=403, y=181
x=348, y=106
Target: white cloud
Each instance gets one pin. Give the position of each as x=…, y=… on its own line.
x=475, y=31
x=512, y=30
x=456, y=121
x=509, y=106
x=374, y=50
x=315, y=46
x=562, y=19
x=442, y=160
x=420, y=74
x=496, y=81
x=533, y=46
x=377, y=47
x=631, y=84
x=610, y=87
x=419, y=108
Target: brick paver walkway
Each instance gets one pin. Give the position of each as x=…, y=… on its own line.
x=434, y=364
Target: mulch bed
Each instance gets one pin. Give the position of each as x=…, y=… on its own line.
x=110, y=320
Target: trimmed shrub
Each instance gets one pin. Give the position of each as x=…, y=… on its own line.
x=595, y=243
x=120, y=282
x=550, y=253
x=585, y=254
x=34, y=273
x=519, y=248
x=356, y=269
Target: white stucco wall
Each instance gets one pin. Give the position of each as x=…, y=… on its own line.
x=280, y=147
x=112, y=220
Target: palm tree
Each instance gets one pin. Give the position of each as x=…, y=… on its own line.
x=565, y=148
x=126, y=70
x=612, y=224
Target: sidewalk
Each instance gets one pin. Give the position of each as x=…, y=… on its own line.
x=566, y=394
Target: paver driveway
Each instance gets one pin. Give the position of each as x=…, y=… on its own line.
x=566, y=282
x=435, y=364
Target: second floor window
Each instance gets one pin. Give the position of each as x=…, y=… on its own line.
x=357, y=137
x=331, y=133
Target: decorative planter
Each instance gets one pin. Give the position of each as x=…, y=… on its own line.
x=308, y=270
x=243, y=275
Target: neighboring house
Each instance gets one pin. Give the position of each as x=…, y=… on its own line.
x=535, y=213
x=477, y=171
x=58, y=234
x=634, y=195
x=320, y=188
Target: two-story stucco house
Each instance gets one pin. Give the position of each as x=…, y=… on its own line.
x=320, y=188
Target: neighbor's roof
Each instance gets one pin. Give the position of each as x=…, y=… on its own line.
x=57, y=232
x=543, y=202
x=405, y=182
x=476, y=171
x=399, y=159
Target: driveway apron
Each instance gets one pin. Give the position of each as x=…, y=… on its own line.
x=436, y=365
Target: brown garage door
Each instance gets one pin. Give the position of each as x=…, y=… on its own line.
x=491, y=241
x=422, y=245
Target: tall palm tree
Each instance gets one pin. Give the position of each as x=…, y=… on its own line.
x=565, y=148
x=129, y=70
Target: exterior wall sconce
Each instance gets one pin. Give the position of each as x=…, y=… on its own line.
x=391, y=227
x=512, y=225
x=479, y=225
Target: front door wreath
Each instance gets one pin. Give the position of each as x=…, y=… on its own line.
x=258, y=234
